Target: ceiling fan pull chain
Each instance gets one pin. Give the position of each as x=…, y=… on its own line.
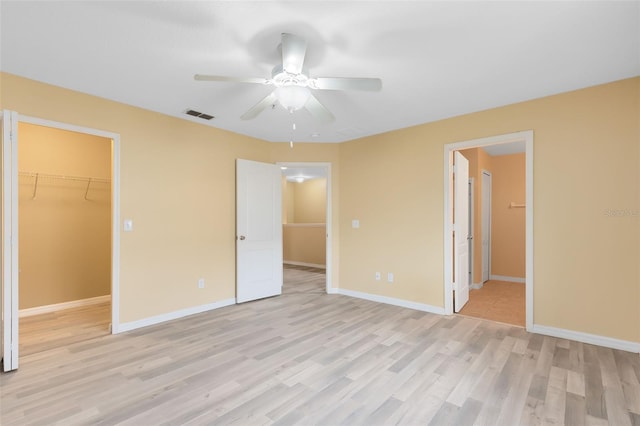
x=293, y=129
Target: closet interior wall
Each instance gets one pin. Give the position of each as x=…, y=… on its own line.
x=64, y=216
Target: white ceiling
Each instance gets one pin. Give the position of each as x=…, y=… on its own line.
x=505, y=148
x=296, y=173
x=436, y=59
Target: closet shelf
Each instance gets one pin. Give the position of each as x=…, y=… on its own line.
x=38, y=176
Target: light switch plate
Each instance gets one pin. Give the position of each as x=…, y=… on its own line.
x=128, y=225
x=355, y=224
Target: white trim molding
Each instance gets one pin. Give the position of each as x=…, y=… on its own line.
x=507, y=278
x=310, y=265
x=391, y=301
x=45, y=309
x=592, y=339
x=476, y=286
x=128, y=326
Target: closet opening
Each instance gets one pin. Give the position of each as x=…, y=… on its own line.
x=65, y=236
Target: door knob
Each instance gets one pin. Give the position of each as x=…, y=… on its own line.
x=241, y=237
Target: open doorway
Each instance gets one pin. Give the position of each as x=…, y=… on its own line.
x=501, y=239
x=306, y=227
x=64, y=217
x=497, y=272
x=42, y=183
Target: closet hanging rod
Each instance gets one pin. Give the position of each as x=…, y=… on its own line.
x=64, y=177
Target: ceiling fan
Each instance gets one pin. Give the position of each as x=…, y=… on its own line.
x=292, y=83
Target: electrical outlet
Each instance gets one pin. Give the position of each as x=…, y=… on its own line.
x=201, y=283
x=378, y=276
x=390, y=277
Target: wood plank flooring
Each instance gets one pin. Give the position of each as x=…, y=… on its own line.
x=311, y=358
x=61, y=328
x=499, y=301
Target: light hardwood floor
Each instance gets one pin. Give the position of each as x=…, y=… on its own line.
x=58, y=329
x=311, y=358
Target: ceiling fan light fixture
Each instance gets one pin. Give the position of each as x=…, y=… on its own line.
x=292, y=97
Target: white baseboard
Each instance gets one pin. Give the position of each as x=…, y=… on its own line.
x=128, y=326
x=506, y=278
x=476, y=286
x=333, y=290
x=391, y=301
x=593, y=339
x=64, y=305
x=310, y=265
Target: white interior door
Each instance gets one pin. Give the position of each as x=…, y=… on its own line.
x=258, y=230
x=461, y=230
x=9, y=240
x=486, y=224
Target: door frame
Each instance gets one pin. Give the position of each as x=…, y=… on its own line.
x=523, y=136
x=115, y=204
x=472, y=197
x=490, y=177
x=327, y=167
x=9, y=242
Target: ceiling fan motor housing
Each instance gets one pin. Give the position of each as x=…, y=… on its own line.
x=280, y=78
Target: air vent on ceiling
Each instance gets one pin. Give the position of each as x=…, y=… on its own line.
x=199, y=114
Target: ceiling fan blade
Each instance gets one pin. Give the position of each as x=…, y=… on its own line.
x=253, y=112
x=346, y=83
x=293, y=50
x=319, y=111
x=202, y=77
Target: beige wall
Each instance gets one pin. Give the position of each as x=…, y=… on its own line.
x=508, y=223
x=65, y=240
x=178, y=186
x=306, y=204
x=288, y=194
x=394, y=184
x=304, y=243
x=310, y=201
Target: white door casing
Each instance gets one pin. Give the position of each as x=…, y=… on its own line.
x=471, y=229
x=461, y=231
x=9, y=240
x=258, y=230
x=486, y=225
